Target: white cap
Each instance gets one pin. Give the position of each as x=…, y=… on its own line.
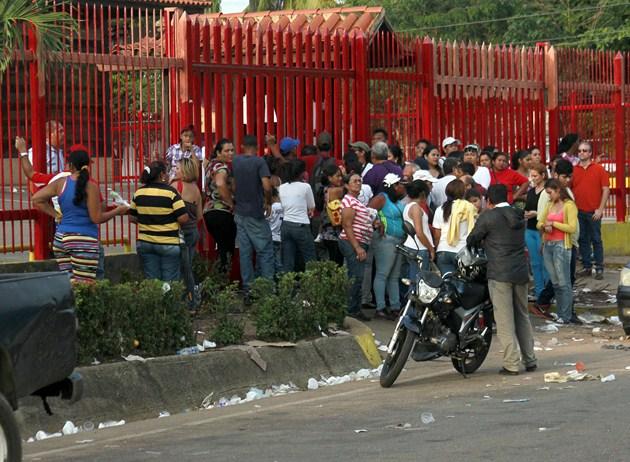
x=423, y=175
x=391, y=179
x=449, y=140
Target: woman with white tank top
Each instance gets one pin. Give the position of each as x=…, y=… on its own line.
x=422, y=242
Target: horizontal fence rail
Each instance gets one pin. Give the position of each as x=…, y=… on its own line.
x=132, y=77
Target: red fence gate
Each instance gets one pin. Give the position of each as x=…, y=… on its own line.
x=133, y=76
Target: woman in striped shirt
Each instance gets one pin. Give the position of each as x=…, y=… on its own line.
x=358, y=224
x=159, y=210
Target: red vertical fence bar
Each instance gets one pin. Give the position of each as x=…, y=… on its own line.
x=620, y=154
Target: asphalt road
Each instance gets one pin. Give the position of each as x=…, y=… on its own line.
x=581, y=421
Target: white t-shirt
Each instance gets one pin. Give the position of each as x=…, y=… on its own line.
x=367, y=168
x=296, y=199
x=482, y=177
x=275, y=221
x=438, y=193
x=438, y=223
x=366, y=194
x=409, y=243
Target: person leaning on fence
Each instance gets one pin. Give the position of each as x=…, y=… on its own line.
x=76, y=243
x=186, y=148
x=55, y=160
x=218, y=209
x=185, y=182
x=159, y=211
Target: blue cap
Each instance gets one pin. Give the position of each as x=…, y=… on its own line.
x=288, y=144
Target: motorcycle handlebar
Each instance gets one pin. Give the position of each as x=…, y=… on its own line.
x=408, y=253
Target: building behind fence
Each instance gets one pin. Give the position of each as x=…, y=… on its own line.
x=133, y=76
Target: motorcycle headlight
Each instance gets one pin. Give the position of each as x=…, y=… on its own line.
x=426, y=293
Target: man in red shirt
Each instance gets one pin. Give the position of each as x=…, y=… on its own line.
x=591, y=190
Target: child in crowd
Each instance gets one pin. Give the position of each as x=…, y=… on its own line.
x=474, y=197
x=275, y=223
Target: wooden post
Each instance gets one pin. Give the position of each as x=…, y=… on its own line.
x=361, y=97
x=551, y=86
x=428, y=90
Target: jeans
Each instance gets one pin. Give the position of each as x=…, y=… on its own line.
x=189, y=249
x=534, y=242
x=591, y=239
x=558, y=264
x=388, y=261
x=100, y=270
x=366, y=288
x=296, y=238
x=277, y=257
x=413, y=265
x=254, y=235
x=355, y=274
x=160, y=261
x=514, y=327
x=220, y=225
x=447, y=262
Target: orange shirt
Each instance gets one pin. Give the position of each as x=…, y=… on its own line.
x=587, y=186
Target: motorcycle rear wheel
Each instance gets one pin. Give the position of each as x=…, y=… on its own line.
x=479, y=351
x=395, y=361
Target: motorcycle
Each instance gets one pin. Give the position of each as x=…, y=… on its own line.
x=444, y=316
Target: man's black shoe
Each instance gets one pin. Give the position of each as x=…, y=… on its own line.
x=531, y=368
x=369, y=306
x=382, y=314
x=599, y=275
x=361, y=316
x=505, y=371
x=575, y=320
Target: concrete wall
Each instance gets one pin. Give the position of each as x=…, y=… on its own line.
x=616, y=237
x=114, y=264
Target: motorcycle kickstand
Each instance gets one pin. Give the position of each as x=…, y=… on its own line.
x=462, y=367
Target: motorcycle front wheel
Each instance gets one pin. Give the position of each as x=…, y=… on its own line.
x=395, y=361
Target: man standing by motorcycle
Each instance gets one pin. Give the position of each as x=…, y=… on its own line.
x=501, y=232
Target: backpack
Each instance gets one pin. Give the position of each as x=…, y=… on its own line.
x=333, y=209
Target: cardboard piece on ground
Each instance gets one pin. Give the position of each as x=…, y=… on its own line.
x=260, y=343
x=253, y=354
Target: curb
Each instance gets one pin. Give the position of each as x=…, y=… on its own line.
x=139, y=390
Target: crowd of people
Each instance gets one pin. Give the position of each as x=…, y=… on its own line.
x=284, y=209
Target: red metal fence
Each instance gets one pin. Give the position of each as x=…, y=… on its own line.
x=133, y=76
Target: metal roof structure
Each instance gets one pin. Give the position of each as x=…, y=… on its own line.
x=363, y=18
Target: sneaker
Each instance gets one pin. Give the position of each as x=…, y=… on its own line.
x=575, y=320
x=537, y=311
x=531, y=368
x=585, y=272
x=599, y=275
x=505, y=371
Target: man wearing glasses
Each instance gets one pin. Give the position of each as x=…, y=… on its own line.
x=591, y=189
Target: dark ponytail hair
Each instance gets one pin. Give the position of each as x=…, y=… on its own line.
x=80, y=160
x=219, y=147
x=456, y=189
x=152, y=173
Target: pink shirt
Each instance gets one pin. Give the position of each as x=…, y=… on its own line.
x=555, y=234
x=362, y=222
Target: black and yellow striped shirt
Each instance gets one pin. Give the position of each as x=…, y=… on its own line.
x=157, y=206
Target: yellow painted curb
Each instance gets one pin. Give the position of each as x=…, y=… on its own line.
x=366, y=343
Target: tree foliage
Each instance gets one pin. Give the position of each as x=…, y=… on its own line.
x=51, y=28
x=275, y=5
x=601, y=24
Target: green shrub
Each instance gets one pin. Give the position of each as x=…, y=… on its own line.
x=324, y=286
x=117, y=319
x=223, y=303
x=302, y=304
x=204, y=270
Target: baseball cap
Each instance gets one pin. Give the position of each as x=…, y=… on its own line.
x=423, y=175
x=324, y=140
x=471, y=147
x=391, y=179
x=287, y=144
x=360, y=145
x=449, y=140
